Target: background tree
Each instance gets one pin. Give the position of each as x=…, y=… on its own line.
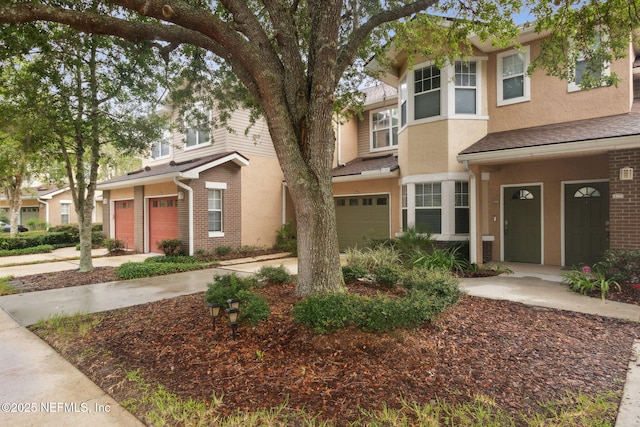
x=96, y=89
x=288, y=57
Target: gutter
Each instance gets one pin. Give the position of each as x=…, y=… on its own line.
x=190, y=191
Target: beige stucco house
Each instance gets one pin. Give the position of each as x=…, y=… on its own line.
x=527, y=168
x=208, y=187
x=51, y=204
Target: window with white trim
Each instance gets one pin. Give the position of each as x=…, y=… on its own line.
x=404, y=96
x=65, y=213
x=513, y=82
x=466, y=83
x=162, y=148
x=588, y=73
x=426, y=92
x=197, y=125
x=215, y=211
x=384, y=129
x=461, y=216
x=428, y=203
x=405, y=207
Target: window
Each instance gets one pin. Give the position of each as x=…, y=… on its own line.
x=428, y=202
x=586, y=74
x=384, y=129
x=461, y=220
x=162, y=148
x=405, y=218
x=426, y=90
x=586, y=192
x=215, y=211
x=513, y=82
x=465, y=87
x=404, y=95
x=197, y=126
x=65, y=213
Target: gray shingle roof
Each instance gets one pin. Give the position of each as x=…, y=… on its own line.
x=581, y=130
x=367, y=164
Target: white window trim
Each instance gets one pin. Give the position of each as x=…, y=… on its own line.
x=527, y=80
x=197, y=106
x=572, y=86
x=451, y=90
x=65, y=204
x=216, y=186
x=447, y=205
x=412, y=95
x=371, y=113
x=166, y=138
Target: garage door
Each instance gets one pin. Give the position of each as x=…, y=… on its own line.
x=27, y=214
x=360, y=218
x=163, y=221
x=124, y=222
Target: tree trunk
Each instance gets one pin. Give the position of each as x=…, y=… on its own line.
x=15, y=202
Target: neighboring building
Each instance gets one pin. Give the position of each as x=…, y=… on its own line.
x=208, y=188
x=527, y=168
x=50, y=204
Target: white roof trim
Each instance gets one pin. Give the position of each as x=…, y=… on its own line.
x=368, y=175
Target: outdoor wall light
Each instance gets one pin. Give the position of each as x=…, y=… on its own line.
x=233, y=303
x=233, y=314
x=626, y=174
x=214, y=310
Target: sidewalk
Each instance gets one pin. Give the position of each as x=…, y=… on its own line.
x=31, y=372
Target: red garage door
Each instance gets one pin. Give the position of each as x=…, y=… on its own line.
x=124, y=222
x=163, y=221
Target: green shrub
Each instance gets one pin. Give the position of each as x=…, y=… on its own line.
x=441, y=259
x=42, y=249
x=134, y=270
x=370, y=258
x=439, y=283
x=37, y=224
x=223, y=250
x=113, y=245
x=252, y=307
x=274, y=275
x=286, y=239
x=351, y=273
x=178, y=259
x=623, y=265
x=326, y=313
x=387, y=275
x=411, y=240
x=172, y=247
x=58, y=239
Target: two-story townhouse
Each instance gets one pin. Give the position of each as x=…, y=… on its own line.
x=528, y=168
x=207, y=186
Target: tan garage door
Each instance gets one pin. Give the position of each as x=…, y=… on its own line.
x=360, y=218
x=163, y=221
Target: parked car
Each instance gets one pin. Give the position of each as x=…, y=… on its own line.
x=7, y=227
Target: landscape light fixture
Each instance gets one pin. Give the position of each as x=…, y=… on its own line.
x=214, y=310
x=233, y=315
x=234, y=303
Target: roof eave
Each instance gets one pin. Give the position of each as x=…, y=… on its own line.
x=383, y=173
x=561, y=149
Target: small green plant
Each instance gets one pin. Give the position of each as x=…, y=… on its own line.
x=387, y=275
x=223, y=250
x=286, y=239
x=351, y=273
x=78, y=324
x=253, y=308
x=370, y=258
x=438, y=283
x=447, y=259
x=37, y=224
x=5, y=287
x=113, y=245
x=274, y=275
x=586, y=280
x=172, y=247
x=259, y=355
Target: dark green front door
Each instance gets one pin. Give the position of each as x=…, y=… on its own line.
x=522, y=224
x=586, y=220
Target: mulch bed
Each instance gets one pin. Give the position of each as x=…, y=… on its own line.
x=518, y=355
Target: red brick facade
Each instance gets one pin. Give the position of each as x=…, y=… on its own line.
x=624, y=210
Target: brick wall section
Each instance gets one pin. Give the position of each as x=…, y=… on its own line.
x=624, y=213
x=106, y=213
x=228, y=173
x=138, y=221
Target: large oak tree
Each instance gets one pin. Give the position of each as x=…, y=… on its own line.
x=290, y=56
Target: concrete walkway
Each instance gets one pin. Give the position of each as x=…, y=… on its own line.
x=58, y=394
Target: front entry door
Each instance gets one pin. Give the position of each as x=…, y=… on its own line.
x=522, y=224
x=586, y=222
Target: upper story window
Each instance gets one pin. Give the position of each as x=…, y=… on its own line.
x=586, y=74
x=384, y=129
x=466, y=83
x=426, y=91
x=197, y=124
x=513, y=82
x=65, y=212
x=162, y=148
x=404, y=95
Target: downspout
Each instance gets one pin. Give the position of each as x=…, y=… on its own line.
x=46, y=211
x=473, y=215
x=190, y=191
x=284, y=202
